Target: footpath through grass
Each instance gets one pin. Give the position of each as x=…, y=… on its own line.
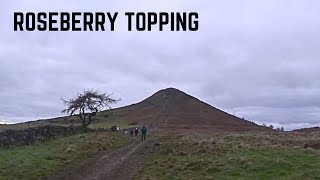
x=250, y=156
x=37, y=161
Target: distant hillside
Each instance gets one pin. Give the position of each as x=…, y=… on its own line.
x=308, y=130
x=173, y=109
x=167, y=109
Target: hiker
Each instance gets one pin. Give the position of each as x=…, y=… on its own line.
x=144, y=132
x=136, y=131
x=131, y=132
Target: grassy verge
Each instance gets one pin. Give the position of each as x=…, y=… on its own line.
x=231, y=157
x=37, y=161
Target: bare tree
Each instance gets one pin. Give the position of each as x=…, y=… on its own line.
x=87, y=104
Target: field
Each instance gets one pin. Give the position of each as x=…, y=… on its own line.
x=234, y=156
x=37, y=161
x=165, y=155
x=102, y=120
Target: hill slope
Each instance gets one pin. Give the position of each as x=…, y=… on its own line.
x=308, y=130
x=171, y=108
x=167, y=109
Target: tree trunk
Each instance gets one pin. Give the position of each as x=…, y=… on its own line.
x=83, y=120
x=89, y=121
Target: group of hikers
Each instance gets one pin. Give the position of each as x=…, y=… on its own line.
x=135, y=132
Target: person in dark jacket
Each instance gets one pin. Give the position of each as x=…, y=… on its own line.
x=144, y=132
x=131, y=132
x=136, y=131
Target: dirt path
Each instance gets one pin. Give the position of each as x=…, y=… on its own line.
x=119, y=164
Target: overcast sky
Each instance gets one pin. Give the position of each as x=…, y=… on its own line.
x=255, y=59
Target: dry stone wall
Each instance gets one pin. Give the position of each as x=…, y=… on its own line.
x=37, y=134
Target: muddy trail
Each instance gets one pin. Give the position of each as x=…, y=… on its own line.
x=119, y=164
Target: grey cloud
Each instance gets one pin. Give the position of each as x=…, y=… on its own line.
x=257, y=59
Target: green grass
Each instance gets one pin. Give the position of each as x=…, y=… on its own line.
x=37, y=161
x=231, y=157
x=102, y=120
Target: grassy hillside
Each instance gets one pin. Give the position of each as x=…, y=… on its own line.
x=105, y=119
x=36, y=161
x=178, y=156
x=236, y=156
x=166, y=108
